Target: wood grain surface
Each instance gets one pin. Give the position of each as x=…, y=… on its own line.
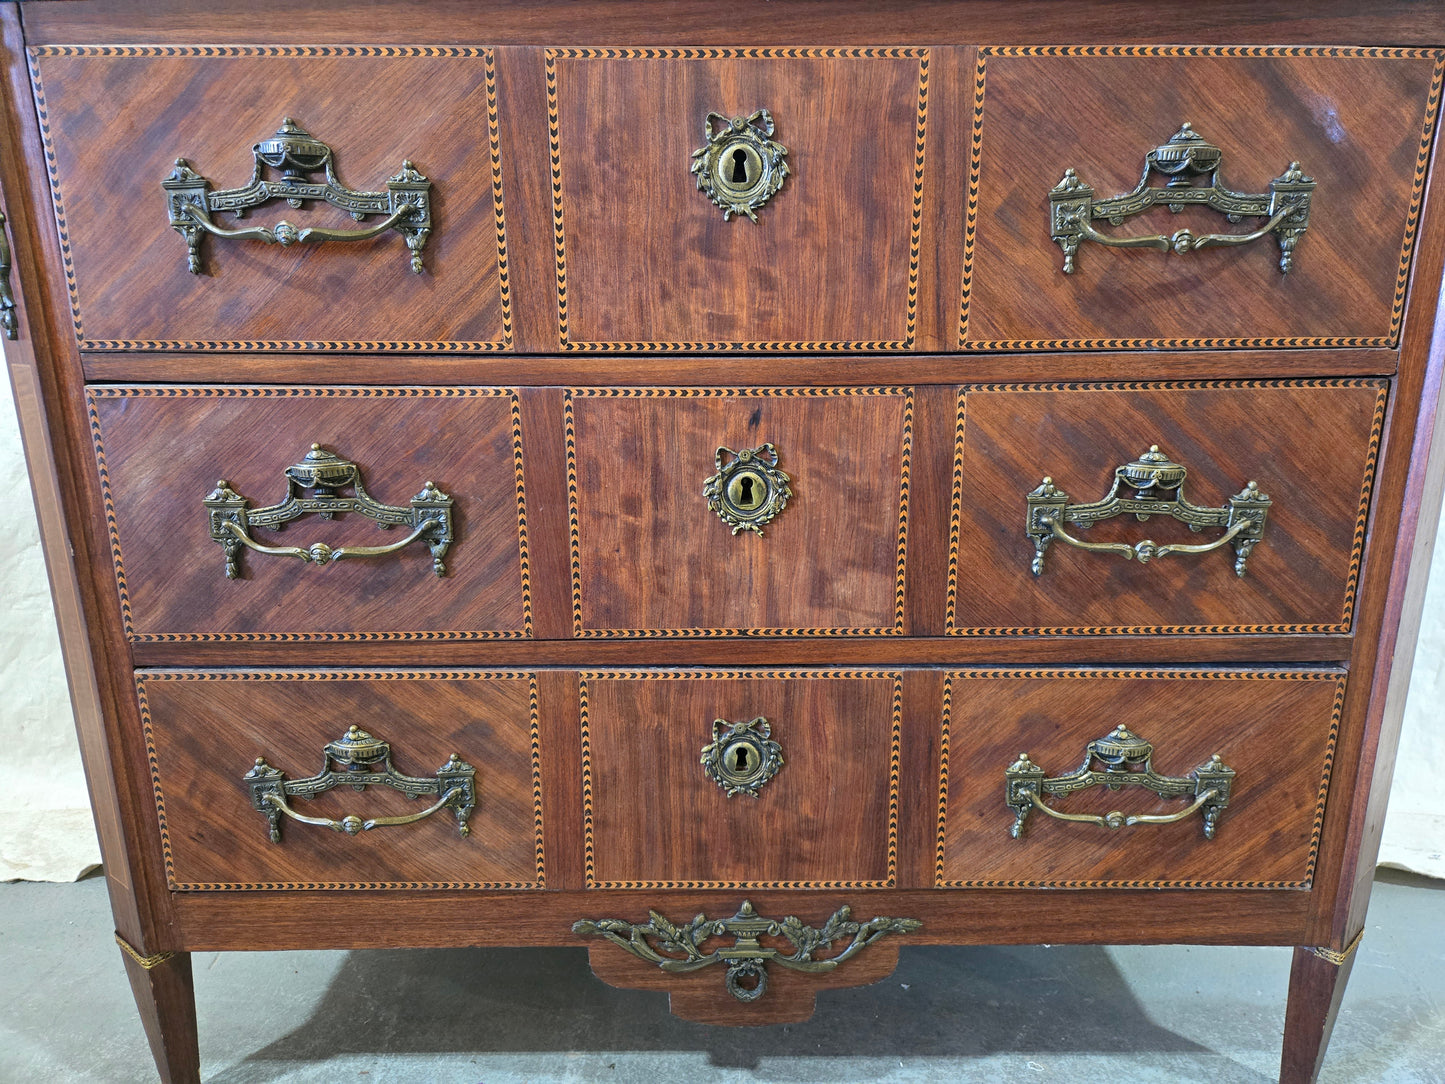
x=1311, y=446
x=205, y=729
x=1267, y=837
x=116, y=120
x=164, y=449
x=1354, y=123
x=828, y=818
x=651, y=558
x=646, y=262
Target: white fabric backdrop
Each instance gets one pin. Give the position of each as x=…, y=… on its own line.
x=45, y=827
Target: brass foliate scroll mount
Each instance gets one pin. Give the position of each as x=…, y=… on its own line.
x=295, y=154
x=9, y=322
x=1152, y=485
x=1183, y=158
x=742, y=756
x=739, y=166
x=1120, y=759
x=748, y=490
x=317, y=485
x=684, y=947
x=358, y=760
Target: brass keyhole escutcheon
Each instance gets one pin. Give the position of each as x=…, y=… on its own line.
x=742, y=756
x=748, y=490
x=740, y=167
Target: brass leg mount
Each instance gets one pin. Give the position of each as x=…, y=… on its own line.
x=150, y=963
x=1338, y=958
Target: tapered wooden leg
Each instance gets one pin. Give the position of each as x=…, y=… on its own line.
x=166, y=997
x=1316, y=985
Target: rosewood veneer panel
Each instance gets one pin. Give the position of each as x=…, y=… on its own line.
x=1311, y=446
x=1275, y=728
x=650, y=558
x=161, y=450
x=1359, y=122
x=116, y=118
x=646, y=262
x=205, y=728
x=827, y=819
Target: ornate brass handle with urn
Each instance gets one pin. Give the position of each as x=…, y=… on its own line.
x=1152, y=485
x=323, y=474
x=296, y=154
x=9, y=322
x=1120, y=759
x=359, y=760
x=1185, y=156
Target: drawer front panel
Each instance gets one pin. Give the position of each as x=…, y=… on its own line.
x=1358, y=122
x=827, y=817
x=1276, y=729
x=205, y=730
x=651, y=558
x=118, y=118
x=162, y=451
x=1311, y=446
x=646, y=262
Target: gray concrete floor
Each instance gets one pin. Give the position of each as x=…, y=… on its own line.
x=465, y=1016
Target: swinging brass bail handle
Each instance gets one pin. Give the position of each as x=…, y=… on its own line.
x=353, y=825
x=8, y=319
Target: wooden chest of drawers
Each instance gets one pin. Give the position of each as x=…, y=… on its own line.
x=531, y=474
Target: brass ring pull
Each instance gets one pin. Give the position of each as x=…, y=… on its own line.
x=1285, y=207
x=323, y=474
x=1121, y=759
x=358, y=760
x=296, y=154
x=8, y=320
x=1152, y=485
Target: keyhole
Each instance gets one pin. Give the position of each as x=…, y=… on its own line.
x=740, y=167
x=740, y=760
x=747, y=493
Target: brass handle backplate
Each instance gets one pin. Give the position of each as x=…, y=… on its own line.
x=358, y=760
x=1285, y=207
x=678, y=947
x=742, y=756
x=1121, y=759
x=739, y=166
x=1152, y=485
x=323, y=474
x=8, y=320
x=295, y=154
x=748, y=490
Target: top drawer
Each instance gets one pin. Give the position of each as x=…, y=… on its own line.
x=116, y=118
x=645, y=259
x=1357, y=122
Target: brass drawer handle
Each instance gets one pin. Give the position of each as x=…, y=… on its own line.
x=8, y=320
x=1123, y=759
x=748, y=491
x=1285, y=207
x=739, y=166
x=296, y=154
x=358, y=760
x=678, y=948
x=1158, y=487
x=323, y=473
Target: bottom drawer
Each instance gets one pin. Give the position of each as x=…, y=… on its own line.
x=218, y=738
x=1024, y=748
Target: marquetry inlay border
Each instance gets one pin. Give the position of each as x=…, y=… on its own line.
x=148, y=726
x=1357, y=549
x=989, y=673
x=1390, y=339
x=579, y=627
x=277, y=51
x=565, y=343
x=894, y=769
x=94, y=393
